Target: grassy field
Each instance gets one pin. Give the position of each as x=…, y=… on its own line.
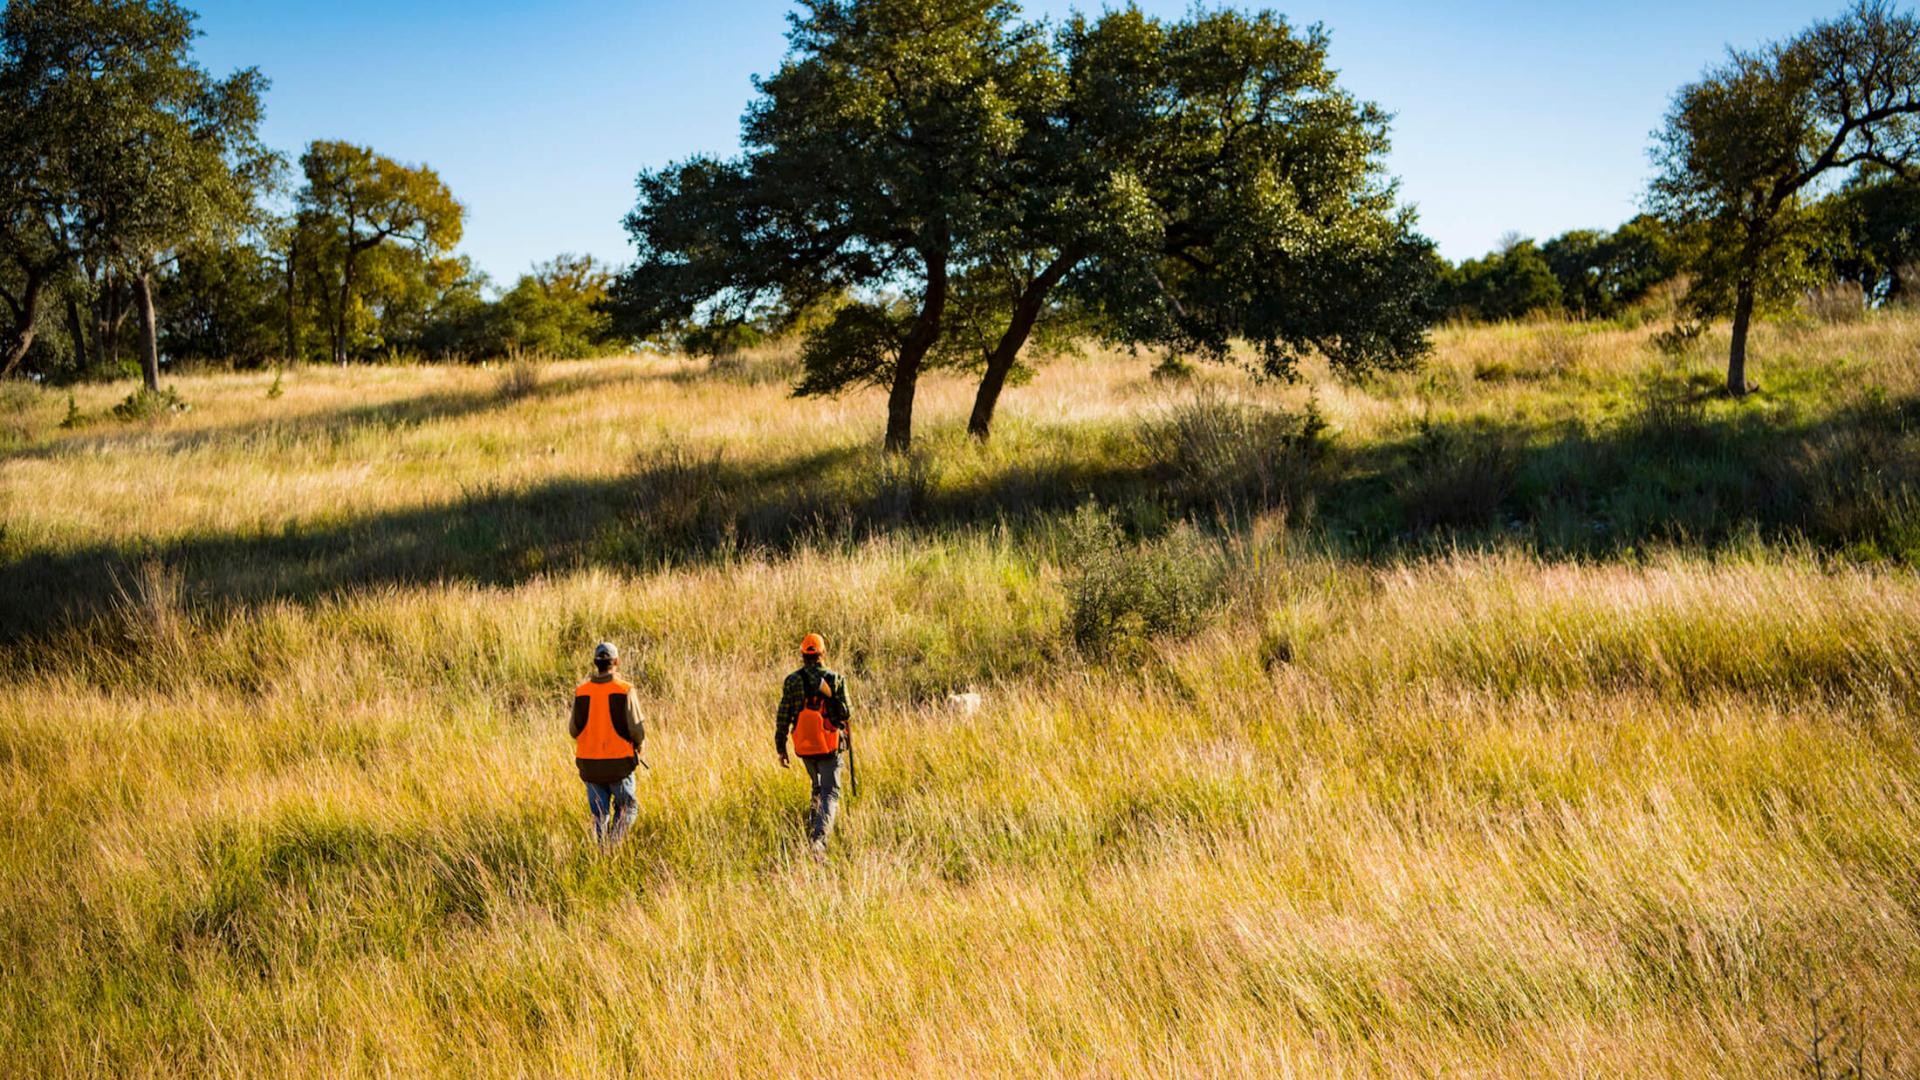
x=1538, y=713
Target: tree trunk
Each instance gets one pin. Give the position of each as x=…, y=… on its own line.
x=113, y=315
x=906, y=371
x=149, y=329
x=26, y=314
x=77, y=330
x=1026, y=311
x=1737, y=352
x=293, y=330
x=320, y=280
x=97, y=313
x=340, y=317
x=339, y=333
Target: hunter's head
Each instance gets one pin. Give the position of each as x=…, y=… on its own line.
x=606, y=657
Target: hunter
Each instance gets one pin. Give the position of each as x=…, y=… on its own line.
x=607, y=734
x=813, y=706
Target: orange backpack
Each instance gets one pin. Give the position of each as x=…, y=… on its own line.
x=813, y=731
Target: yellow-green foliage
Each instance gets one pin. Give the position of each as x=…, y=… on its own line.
x=285, y=789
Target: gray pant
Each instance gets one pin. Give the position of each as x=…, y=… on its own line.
x=824, y=771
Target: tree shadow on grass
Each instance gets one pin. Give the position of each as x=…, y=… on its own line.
x=1844, y=482
x=674, y=507
x=332, y=425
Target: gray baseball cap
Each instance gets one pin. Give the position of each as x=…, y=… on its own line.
x=606, y=650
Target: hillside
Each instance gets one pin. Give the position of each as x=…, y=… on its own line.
x=1538, y=713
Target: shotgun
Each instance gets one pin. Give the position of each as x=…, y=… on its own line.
x=845, y=723
x=846, y=731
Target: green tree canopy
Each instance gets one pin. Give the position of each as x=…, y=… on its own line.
x=558, y=310
x=118, y=147
x=1574, y=259
x=870, y=154
x=1743, y=149
x=1259, y=210
x=221, y=303
x=1874, y=234
x=1202, y=184
x=373, y=237
x=1510, y=283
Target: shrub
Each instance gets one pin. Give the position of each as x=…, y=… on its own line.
x=520, y=378
x=1496, y=370
x=1121, y=593
x=682, y=505
x=1174, y=368
x=1684, y=338
x=74, y=418
x=1220, y=453
x=144, y=404
x=1459, y=479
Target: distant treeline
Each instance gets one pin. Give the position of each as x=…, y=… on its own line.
x=358, y=265
x=1867, y=234
x=142, y=218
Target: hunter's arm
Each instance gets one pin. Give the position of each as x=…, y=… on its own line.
x=791, y=696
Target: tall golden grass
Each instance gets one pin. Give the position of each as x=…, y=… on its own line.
x=1461, y=806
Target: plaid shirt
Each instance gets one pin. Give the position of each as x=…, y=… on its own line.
x=793, y=694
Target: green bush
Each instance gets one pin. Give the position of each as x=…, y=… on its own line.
x=1219, y=453
x=1459, y=479
x=519, y=379
x=144, y=404
x=74, y=418
x=1122, y=593
x=683, y=505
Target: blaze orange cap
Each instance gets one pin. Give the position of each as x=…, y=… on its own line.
x=812, y=645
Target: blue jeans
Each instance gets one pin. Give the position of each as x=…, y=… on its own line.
x=823, y=771
x=616, y=797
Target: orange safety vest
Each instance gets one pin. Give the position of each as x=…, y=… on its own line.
x=811, y=732
x=602, y=712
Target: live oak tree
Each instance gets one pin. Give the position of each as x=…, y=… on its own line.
x=119, y=149
x=1205, y=184
x=36, y=207
x=221, y=302
x=870, y=157
x=181, y=165
x=1743, y=151
x=370, y=231
x=1600, y=273
x=557, y=310
x=1512, y=282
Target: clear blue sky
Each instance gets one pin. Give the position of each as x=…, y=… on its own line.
x=1509, y=116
